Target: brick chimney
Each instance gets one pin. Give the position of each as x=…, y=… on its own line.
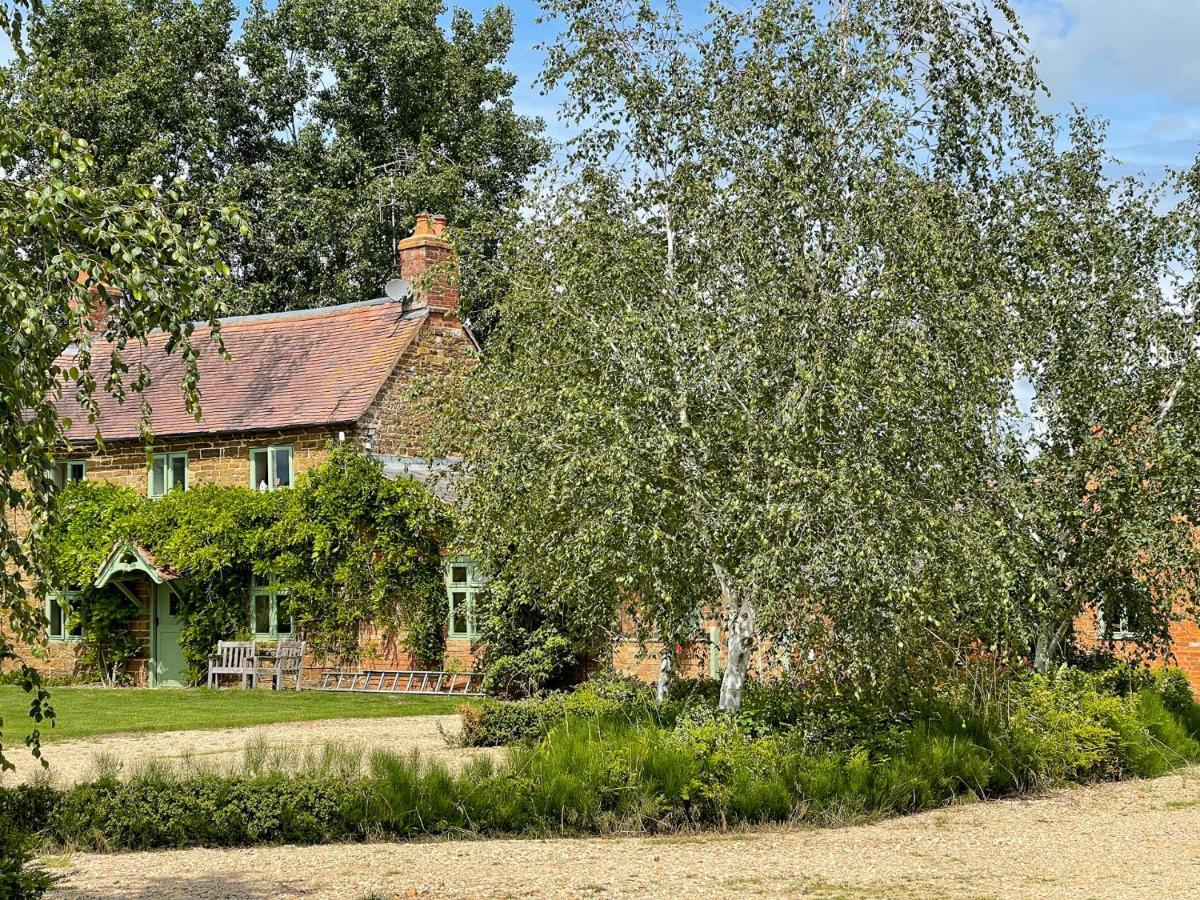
x=426, y=249
x=103, y=299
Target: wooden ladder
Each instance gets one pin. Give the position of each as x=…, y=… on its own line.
x=403, y=681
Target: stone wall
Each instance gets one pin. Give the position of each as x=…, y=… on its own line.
x=397, y=421
x=212, y=459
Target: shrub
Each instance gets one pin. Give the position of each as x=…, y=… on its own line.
x=20, y=879
x=606, y=758
x=496, y=723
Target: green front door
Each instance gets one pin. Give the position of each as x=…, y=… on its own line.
x=167, y=665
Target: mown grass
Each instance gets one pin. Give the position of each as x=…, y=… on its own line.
x=87, y=712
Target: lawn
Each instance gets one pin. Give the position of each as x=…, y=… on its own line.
x=85, y=711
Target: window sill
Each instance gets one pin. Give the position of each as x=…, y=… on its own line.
x=462, y=637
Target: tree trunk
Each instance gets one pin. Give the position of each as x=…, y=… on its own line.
x=664, y=674
x=740, y=643
x=1045, y=645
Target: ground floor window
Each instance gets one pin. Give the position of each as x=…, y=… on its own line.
x=70, y=470
x=1116, y=625
x=61, y=623
x=463, y=586
x=270, y=613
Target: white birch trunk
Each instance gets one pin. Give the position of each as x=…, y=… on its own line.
x=664, y=675
x=739, y=642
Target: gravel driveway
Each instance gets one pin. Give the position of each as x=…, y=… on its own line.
x=1129, y=840
x=72, y=761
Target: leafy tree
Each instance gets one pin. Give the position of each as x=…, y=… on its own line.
x=757, y=337
x=329, y=123
x=1099, y=487
x=63, y=243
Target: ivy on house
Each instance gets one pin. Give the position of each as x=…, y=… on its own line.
x=349, y=547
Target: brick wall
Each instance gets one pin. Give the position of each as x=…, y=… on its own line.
x=1185, y=645
x=212, y=459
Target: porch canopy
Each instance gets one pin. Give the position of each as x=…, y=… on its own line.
x=128, y=560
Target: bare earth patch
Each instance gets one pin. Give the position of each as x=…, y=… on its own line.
x=1134, y=839
x=73, y=761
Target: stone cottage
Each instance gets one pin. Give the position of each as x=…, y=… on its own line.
x=295, y=384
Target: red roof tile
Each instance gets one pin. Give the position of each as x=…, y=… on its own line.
x=308, y=367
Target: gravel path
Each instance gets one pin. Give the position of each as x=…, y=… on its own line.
x=72, y=761
x=1135, y=839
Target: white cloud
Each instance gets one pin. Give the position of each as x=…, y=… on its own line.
x=1132, y=48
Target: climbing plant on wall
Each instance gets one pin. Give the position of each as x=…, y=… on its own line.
x=349, y=547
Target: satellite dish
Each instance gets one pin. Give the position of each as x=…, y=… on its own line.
x=398, y=289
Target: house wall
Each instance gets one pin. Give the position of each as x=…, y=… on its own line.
x=1185, y=645
x=212, y=459
x=397, y=422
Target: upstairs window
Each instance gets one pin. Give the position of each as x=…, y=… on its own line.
x=270, y=615
x=271, y=468
x=464, y=584
x=61, y=623
x=67, y=471
x=168, y=472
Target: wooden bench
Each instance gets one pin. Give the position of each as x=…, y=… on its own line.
x=289, y=660
x=233, y=658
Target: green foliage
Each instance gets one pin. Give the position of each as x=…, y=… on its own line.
x=349, y=546
x=64, y=235
x=530, y=646
x=20, y=878
x=606, y=760
x=151, y=812
x=353, y=547
x=291, y=109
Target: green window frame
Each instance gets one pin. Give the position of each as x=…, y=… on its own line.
x=167, y=472
x=1119, y=628
x=69, y=470
x=272, y=467
x=270, y=618
x=59, y=627
x=464, y=584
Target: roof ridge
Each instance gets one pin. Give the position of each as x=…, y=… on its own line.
x=312, y=312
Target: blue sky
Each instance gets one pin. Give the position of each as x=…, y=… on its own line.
x=1133, y=62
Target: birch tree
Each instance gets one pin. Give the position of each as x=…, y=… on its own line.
x=759, y=331
x=1099, y=485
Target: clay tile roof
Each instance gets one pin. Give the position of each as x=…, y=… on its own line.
x=307, y=367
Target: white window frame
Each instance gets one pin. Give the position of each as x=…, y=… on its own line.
x=168, y=460
x=271, y=450
x=65, y=600
x=471, y=588
x=260, y=588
